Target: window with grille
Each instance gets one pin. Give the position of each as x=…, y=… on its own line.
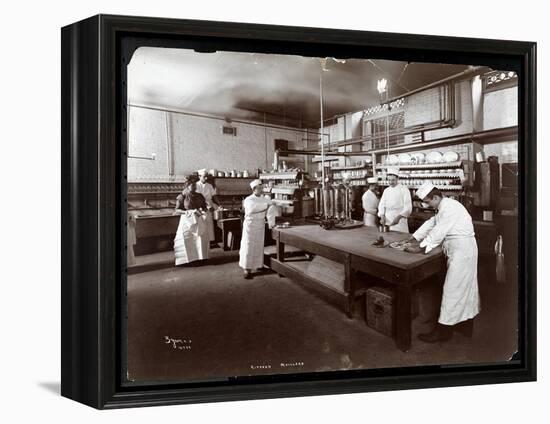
x=497, y=80
x=395, y=122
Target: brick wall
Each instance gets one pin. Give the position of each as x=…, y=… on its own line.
x=198, y=142
x=147, y=134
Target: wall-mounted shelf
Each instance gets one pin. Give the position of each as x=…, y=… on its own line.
x=437, y=176
x=456, y=164
x=280, y=176
x=283, y=201
x=283, y=190
x=445, y=187
x=317, y=159
x=353, y=178
x=351, y=167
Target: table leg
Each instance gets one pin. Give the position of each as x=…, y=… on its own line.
x=280, y=252
x=349, y=287
x=403, y=318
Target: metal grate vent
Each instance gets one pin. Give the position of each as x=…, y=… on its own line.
x=229, y=130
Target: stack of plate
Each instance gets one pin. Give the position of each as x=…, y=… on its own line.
x=434, y=157
x=450, y=157
x=404, y=159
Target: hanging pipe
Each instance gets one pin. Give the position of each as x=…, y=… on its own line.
x=448, y=122
x=471, y=72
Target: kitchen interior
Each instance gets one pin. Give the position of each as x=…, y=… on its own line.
x=312, y=130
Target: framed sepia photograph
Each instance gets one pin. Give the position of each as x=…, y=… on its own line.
x=255, y=211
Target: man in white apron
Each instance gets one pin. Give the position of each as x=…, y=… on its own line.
x=396, y=204
x=452, y=228
x=370, y=203
x=251, y=253
x=209, y=193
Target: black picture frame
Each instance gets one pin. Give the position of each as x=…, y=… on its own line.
x=95, y=52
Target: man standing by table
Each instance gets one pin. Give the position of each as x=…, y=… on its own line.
x=396, y=204
x=370, y=203
x=256, y=209
x=452, y=228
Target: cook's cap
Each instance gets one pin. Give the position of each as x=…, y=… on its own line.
x=393, y=170
x=255, y=183
x=424, y=190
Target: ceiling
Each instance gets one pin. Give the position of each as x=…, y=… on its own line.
x=281, y=89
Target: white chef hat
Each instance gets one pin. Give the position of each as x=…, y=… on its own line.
x=392, y=170
x=424, y=190
x=201, y=171
x=372, y=180
x=255, y=183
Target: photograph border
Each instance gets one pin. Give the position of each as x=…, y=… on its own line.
x=95, y=55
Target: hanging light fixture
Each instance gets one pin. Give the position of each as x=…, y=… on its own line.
x=382, y=87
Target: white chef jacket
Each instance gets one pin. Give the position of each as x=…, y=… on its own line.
x=453, y=228
x=396, y=201
x=251, y=253
x=370, y=207
x=208, y=191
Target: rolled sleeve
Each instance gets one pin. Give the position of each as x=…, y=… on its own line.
x=437, y=234
x=424, y=229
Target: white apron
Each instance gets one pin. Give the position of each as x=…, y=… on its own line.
x=370, y=206
x=452, y=228
x=191, y=242
x=460, y=299
x=396, y=201
x=251, y=253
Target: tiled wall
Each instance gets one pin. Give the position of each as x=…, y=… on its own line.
x=147, y=134
x=198, y=142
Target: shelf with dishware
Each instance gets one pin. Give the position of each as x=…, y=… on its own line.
x=444, y=170
x=421, y=159
x=354, y=174
x=351, y=182
x=445, y=176
x=288, y=190
x=213, y=173
x=415, y=186
x=280, y=175
x=356, y=166
x=350, y=174
x=281, y=189
x=438, y=165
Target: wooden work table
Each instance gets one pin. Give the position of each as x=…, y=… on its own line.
x=353, y=248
